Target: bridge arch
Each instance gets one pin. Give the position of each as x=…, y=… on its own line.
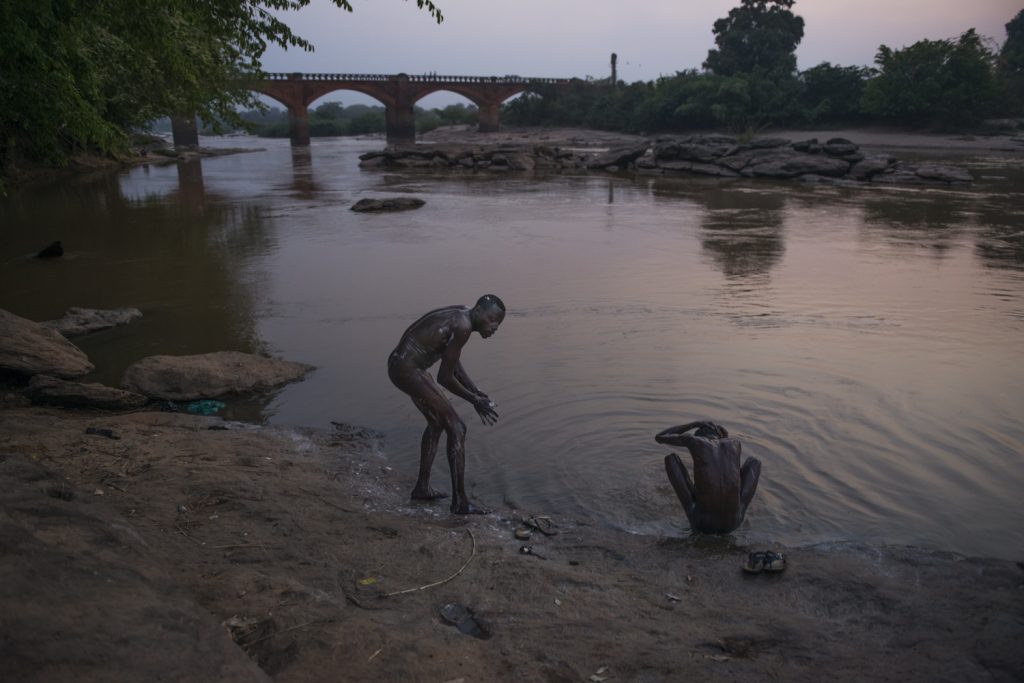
x=398, y=93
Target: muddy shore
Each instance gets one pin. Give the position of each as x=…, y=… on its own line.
x=185, y=548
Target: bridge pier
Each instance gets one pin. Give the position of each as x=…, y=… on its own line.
x=487, y=118
x=184, y=131
x=298, y=125
x=400, y=124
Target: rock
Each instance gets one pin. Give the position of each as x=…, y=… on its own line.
x=699, y=168
x=28, y=348
x=666, y=149
x=58, y=392
x=947, y=174
x=810, y=146
x=768, y=143
x=188, y=378
x=840, y=149
x=898, y=174
x=388, y=203
x=618, y=157
x=790, y=166
x=869, y=166
x=702, y=153
x=78, y=321
x=53, y=251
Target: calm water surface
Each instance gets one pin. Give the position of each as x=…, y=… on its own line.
x=865, y=344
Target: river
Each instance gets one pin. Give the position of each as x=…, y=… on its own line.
x=865, y=344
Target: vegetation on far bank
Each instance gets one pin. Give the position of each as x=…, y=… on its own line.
x=79, y=75
x=750, y=81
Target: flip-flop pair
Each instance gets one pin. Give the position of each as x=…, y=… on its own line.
x=765, y=561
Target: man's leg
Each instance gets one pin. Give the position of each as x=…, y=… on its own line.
x=750, y=472
x=433, y=404
x=428, y=449
x=680, y=480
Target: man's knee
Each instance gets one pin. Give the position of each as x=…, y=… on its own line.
x=454, y=426
x=751, y=468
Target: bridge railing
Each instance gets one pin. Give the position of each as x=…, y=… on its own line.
x=426, y=78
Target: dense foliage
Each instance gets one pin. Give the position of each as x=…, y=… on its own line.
x=750, y=82
x=948, y=83
x=76, y=74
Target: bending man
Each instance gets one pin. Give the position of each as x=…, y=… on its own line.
x=717, y=498
x=440, y=335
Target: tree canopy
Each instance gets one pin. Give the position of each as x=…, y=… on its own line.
x=757, y=35
x=77, y=74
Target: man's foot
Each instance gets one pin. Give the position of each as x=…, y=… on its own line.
x=469, y=509
x=428, y=494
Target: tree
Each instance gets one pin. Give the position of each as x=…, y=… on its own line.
x=833, y=93
x=757, y=34
x=1010, y=69
x=77, y=74
x=945, y=83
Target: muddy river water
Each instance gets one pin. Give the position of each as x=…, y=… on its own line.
x=867, y=345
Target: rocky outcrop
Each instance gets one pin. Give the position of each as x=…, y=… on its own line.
x=188, y=378
x=387, y=204
x=834, y=160
x=79, y=321
x=58, y=392
x=502, y=158
x=28, y=348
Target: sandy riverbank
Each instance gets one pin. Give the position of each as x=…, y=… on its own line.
x=141, y=557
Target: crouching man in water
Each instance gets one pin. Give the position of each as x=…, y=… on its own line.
x=717, y=498
x=440, y=335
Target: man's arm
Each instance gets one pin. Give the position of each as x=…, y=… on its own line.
x=451, y=373
x=463, y=377
x=677, y=436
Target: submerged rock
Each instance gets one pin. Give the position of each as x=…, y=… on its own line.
x=209, y=375
x=77, y=321
x=28, y=348
x=388, y=204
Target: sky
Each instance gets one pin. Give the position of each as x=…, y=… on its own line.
x=575, y=38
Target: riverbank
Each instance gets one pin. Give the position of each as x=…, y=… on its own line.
x=142, y=552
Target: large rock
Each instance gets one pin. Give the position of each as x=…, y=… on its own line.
x=78, y=321
x=389, y=203
x=869, y=166
x=786, y=166
x=618, y=157
x=58, y=392
x=943, y=173
x=28, y=348
x=209, y=375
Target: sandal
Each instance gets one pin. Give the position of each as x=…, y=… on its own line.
x=765, y=561
x=774, y=562
x=756, y=563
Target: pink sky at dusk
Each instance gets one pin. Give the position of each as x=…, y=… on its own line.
x=574, y=38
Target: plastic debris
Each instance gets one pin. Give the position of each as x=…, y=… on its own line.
x=204, y=407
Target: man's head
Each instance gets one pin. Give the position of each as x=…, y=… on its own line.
x=710, y=430
x=487, y=314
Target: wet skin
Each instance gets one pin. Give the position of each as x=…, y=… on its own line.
x=440, y=335
x=716, y=500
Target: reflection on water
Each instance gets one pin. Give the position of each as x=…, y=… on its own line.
x=864, y=344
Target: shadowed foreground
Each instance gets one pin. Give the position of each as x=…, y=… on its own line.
x=145, y=556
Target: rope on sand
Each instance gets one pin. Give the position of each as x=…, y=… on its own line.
x=438, y=583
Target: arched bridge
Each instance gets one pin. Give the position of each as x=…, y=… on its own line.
x=398, y=93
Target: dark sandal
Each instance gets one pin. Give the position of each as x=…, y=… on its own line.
x=756, y=563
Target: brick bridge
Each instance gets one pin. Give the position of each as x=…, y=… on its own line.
x=398, y=94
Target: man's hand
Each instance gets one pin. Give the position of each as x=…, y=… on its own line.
x=485, y=408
